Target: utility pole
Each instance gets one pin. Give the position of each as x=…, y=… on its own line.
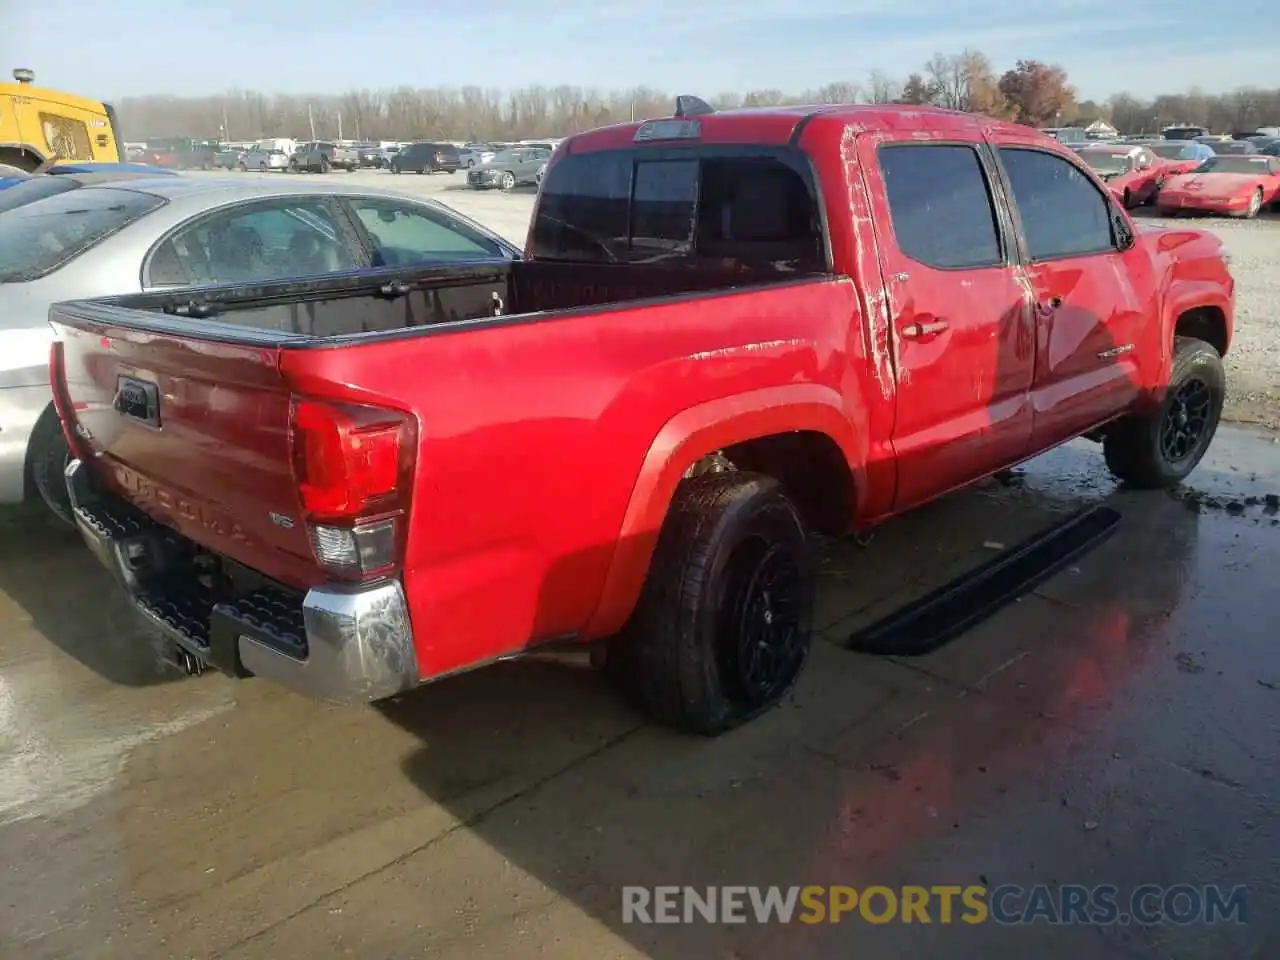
x=339, y=124
x=311, y=121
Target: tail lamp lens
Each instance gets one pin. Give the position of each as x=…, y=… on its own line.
x=353, y=466
x=346, y=457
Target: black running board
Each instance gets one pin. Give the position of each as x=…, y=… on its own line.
x=941, y=616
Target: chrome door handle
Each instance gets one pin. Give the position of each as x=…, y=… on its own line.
x=922, y=331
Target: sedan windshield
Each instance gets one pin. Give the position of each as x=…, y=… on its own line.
x=1173, y=151
x=1104, y=162
x=1254, y=166
x=38, y=237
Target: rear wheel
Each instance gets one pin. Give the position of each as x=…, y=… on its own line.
x=324, y=164
x=722, y=628
x=47, y=458
x=1160, y=447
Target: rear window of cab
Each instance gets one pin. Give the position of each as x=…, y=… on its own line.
x=650, y=205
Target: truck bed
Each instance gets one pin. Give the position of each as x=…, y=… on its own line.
x=356, y=305
x=528, y=431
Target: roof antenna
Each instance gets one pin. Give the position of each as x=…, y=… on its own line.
x=688, y=105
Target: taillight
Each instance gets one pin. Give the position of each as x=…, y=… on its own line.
x=61, y=402
x=354, y=469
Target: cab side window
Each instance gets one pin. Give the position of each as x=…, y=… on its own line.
x=941, y=205
x=1063, y=213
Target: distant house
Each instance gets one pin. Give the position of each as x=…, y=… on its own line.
x=1100, y=130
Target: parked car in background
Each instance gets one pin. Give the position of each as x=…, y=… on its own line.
x=509, y=169
x=1132, y=173
x=264, y=158
x=197, y=156
x=474, y=155
x=1184, y=132
x=1234, y=148
x=1272, y=149
x=1180, y=156
x=1238, y=186
x=228, y=158
x=99, y=234
x=321, y=156
x=157, y=157
x=371, y=156
x=427, y=156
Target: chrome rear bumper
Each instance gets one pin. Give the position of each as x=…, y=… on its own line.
x=342, y=643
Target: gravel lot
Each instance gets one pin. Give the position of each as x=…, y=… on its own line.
x=1253, y=365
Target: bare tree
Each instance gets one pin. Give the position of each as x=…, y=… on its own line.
x=1031, y=92
x=881, y=88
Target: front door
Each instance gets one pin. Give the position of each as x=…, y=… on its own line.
x=961, y=317
x=1094, y=304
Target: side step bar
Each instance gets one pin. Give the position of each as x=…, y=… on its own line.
x=949, y=611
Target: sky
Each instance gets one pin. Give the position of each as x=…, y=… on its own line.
x=112, y=50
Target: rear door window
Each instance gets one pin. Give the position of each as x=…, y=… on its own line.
x=37, y=238
x=940, y=205
x=252, y=243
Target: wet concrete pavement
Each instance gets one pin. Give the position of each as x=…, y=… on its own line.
x=1119, y=725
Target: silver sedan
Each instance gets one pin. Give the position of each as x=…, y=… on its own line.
x=509, y=169
x=65, y=238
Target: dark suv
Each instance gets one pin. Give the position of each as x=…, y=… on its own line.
x=427, y=157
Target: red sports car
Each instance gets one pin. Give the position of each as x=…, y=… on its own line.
x=1232, y=186
x=1132, y=174
x=1180, y=156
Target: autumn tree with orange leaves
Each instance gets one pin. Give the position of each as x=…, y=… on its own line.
x=1036, y=93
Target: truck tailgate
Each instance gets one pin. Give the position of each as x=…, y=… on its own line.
x=194, y=433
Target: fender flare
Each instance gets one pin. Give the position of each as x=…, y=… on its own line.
x=1195, y=295
x=681, y=442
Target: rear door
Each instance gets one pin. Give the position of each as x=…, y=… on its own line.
x=960, y=316
x=1093, y=302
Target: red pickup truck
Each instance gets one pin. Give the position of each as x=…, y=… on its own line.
x=729, y=331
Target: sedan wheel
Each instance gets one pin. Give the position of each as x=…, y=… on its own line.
x=1255, y=204
x=508, y=181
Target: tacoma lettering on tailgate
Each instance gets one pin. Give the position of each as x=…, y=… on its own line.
x=153, y=497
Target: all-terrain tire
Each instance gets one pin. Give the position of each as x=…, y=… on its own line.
x=722, y=628
x=1137, y=448
x=47, y=456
